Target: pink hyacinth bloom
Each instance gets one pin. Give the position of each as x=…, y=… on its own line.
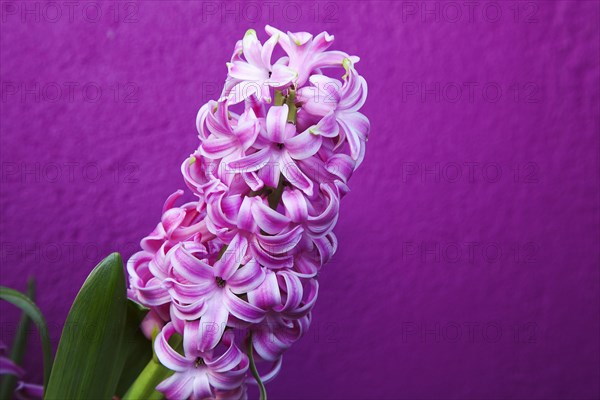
x=265, y=234
x=268, y=182
x=256, y=75
x=210, y=293
x=287, y=299
x=307, y=54
x=231, y=137
x=201, y=374
x=328, y=98
x=280, y=148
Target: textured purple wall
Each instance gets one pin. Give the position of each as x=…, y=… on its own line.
x=468, y=259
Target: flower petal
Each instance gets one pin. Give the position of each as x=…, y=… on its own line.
x=246, y=278
x=201, y=387
x=229, y=359
x=251, y=48
x=213, y=322
x=284, y=40
x=354, y=92
x=29, y=391
x=341, y=165
x=251, y=162
x=268, y=219
x=332, y=59
x=295, y=205
x=189, y=293
x=327, y=126
x=229, y=381
x=304, y=145
x=281, y=243
x=247, y=72
x=322, y=42
x=189, y=311
x=188, y=266
x=281, y=76
x=242, y=90
x=267, y=295
x=293, y=291
x=178, y=386
x=7, y=366
x=233, y=256
x=269, y=260
x=324, y=222
x=276, y=122
x=295, y=176
x=242, y=309
x=267, y=50
x=270, y=173
x=267, y=343
x=355, y=127
x=166, y=354
x=245, y=221
x=217, y=147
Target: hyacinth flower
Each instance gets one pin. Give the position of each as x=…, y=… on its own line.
x=201, y=374
x=279, y=149
x=226, y=282
x=211, y=293
x=345, y=99
x=245, y=255
x=307, y=54
x=255, y=74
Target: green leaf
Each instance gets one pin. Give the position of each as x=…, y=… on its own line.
x=88, y=360
x=24, y=303
x=18, y=347
x=137, y=348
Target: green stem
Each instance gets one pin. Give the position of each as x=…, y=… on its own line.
x=145, y=384
x=275, y=197
x=261, y=385
x=279, y=99
x=290, y=100
x=154, y=373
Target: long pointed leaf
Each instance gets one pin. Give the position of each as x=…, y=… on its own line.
x=18, y=347
x=88, y=360
x=24, y=303
x=137, y=348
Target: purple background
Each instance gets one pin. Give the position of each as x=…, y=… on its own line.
x=468, y=259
